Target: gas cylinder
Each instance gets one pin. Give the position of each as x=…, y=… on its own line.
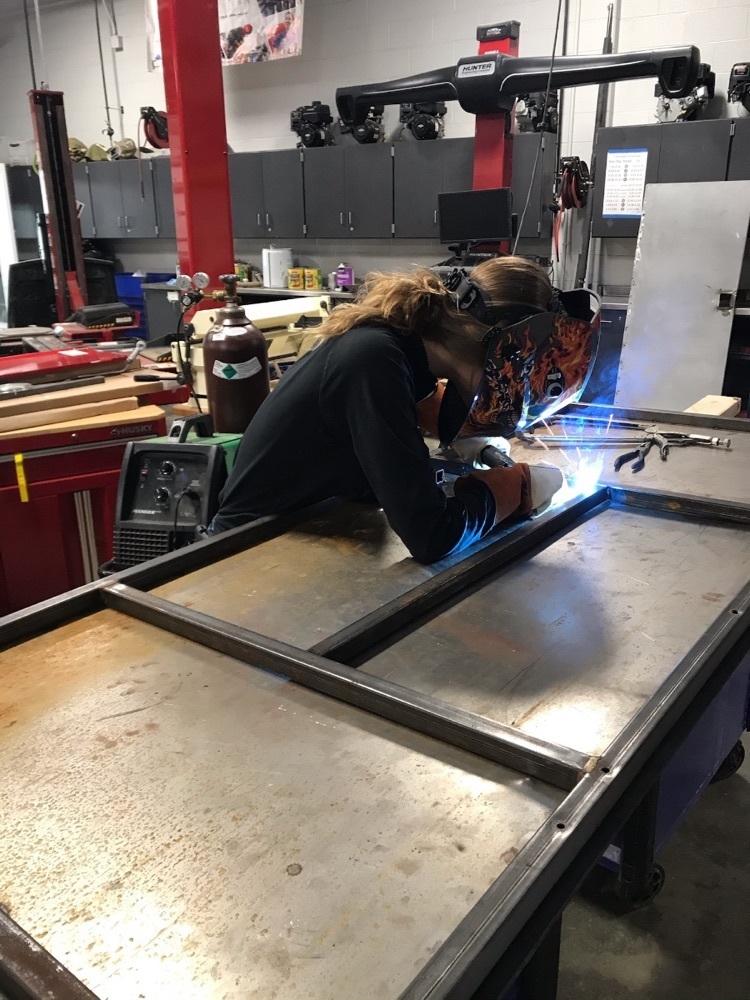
x=236, y=362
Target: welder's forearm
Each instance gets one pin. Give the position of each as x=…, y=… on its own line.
x=510, y=488
x=449, y=527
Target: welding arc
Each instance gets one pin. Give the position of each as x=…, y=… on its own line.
x=542, y=132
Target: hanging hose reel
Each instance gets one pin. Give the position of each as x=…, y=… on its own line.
x=574, y=182
x=155, y=127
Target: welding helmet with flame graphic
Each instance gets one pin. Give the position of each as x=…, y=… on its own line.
x=532, y=368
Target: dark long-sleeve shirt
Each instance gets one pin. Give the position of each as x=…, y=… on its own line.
x=343, y=422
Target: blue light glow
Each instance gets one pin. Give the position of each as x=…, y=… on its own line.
x=581, y=478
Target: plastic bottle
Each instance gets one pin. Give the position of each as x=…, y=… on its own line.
x=236, y=360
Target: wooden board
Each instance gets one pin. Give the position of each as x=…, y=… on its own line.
x=146, y=421
x=65, y=414
x=116, y=387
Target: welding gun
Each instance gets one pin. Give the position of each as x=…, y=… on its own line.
x=491, y=452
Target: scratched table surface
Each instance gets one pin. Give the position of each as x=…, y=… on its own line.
x=697, y=471
x=570, y=642
x=310, y=582
x=180, y=825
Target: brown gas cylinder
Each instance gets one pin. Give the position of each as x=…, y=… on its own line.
x=236, y=361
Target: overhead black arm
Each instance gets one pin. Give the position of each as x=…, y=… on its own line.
x=483, y=84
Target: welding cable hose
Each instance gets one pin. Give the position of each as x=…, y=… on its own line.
x=139, y=346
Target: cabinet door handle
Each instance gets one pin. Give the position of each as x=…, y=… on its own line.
x=268, y=220
x=341, y=218
x=434, y=217
x=350, y=222
x=260, y=220
x=120, y=222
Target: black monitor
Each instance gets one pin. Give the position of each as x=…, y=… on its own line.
x=476, y=216
x=31, y=294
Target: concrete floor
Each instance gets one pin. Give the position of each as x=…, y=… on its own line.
x=693, y=941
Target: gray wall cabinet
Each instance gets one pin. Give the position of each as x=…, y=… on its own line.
x=25, y=201
x=267, y=194
x=83, y=194
x=325, y=197
x=161, y=167
x=423, y=169
x=537, y=223
x=349, y=191
x=246, y=187
x=678, y=152
x=122, y=196
x=283, y=195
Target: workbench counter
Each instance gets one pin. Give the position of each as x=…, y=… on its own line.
x=407, y=816
x=165, y=836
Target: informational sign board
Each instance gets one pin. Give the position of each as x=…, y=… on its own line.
x=624, y=183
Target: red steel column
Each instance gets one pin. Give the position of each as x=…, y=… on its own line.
x=197, y=136
x=493, y=135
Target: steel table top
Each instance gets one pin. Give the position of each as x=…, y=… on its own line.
x=569, y=643
x=697, y=470
x=182, y=825
x=310, y=582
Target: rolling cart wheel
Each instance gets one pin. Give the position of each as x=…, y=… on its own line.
x=602, y=888
x=731, y=763
x=655, y=884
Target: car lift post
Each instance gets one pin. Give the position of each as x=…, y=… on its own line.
x=63, y=226
x=194, y=89
x=493, y=133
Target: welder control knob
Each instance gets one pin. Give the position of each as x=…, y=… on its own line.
x=162, y=494
x=167, y=468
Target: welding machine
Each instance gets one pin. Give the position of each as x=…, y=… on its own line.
x=168, y=486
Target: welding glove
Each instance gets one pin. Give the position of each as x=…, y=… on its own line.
x=546, y=480
x=520, y=490
x=469, y=449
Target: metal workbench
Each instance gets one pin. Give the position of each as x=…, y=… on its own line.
x=291, y=762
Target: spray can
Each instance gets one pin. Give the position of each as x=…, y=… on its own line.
x=236, y=359
x=344, y=276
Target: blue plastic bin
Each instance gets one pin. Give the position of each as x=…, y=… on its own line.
x=130, y=292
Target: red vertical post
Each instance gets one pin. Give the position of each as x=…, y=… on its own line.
x=197, y=136
x=493, y=134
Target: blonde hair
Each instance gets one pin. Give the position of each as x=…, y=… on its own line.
x=418, y=303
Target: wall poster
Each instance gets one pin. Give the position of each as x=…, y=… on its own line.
x=248, y=31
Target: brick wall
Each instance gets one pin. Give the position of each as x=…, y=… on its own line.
x=349, y=41
x=345, y=41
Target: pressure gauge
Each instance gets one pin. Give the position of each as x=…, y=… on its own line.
x=201, y=279
x=184, y=283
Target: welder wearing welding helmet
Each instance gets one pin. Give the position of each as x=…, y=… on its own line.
x=348, y=418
